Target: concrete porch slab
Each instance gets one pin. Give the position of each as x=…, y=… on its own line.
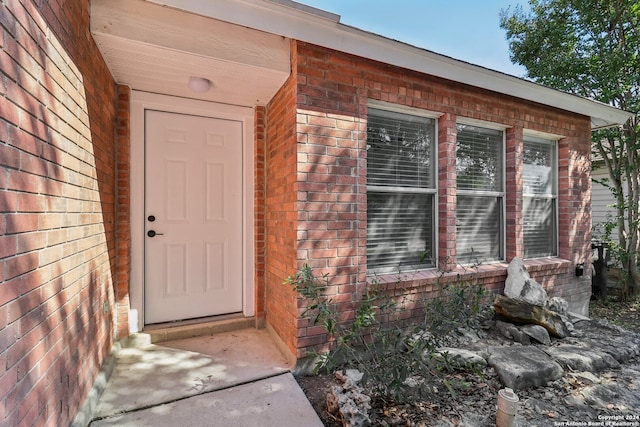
x=148, y=377
x=272, y=402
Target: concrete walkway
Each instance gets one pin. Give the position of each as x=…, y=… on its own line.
x=237, y=378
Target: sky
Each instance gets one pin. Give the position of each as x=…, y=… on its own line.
x=468, y=30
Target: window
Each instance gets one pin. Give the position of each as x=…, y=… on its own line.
x=480, y=194
x=400, y=190
x=539, y=197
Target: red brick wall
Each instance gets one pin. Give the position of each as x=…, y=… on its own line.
x=123, y=211
x=447, y=193
x=513, y=197
x=281, y=213
x=57, y=197
x=259, y=213
x=574, y=211
x=332, y=92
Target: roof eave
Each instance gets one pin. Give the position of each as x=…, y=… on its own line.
x=304, y=23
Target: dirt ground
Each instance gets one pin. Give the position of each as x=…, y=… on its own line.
x=474, y=404
x=624, y=314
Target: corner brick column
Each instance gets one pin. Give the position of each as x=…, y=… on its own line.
x=574, y=217
x=259, y=196
x=447, y=134
x=123, y=212
x=513, y=194
x=574, y=199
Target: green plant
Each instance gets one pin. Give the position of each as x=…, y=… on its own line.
x=455, y=305
x=618, y=256
x=395, y=359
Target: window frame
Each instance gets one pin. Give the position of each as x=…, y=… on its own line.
x=499, y=195
x=539, y=137
x=433, y=192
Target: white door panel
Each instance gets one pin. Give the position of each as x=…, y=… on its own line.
x=193, y=191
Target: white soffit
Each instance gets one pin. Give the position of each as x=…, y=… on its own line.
x=156, y=49
x=295, y=21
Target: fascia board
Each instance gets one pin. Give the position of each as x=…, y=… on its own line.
x=305, y=24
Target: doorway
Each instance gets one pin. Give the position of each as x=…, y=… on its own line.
x=191, y=210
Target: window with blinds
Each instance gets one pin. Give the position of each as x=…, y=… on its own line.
x=480, y=194
x=539, y=197
x=400, y=190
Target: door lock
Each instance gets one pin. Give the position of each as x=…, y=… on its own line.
x=152, y=233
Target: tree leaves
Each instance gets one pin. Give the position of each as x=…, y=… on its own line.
x=591, y=48
x=585, y=47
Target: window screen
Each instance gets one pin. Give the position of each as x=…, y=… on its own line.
x=480, y=194
x=539, y=197
x=400, y=190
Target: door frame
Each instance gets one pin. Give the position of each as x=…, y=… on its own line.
x=141, y=101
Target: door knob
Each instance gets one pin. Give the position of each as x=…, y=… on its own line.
x=152, y=233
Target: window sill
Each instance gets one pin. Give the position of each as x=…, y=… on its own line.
x=544, y=264
x=426, y=277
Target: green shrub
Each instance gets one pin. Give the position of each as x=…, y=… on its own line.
x=394, y=358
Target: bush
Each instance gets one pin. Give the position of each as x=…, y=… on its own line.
x=396, y=360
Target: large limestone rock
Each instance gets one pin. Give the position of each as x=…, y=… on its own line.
x=522, y=367
x=582, y=358
x=512, y=332
x=524, y=312
x=620, y=344
x=617, y=394
x=519, y=285
x=537, y=332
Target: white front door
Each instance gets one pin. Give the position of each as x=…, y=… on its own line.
x=193, y=204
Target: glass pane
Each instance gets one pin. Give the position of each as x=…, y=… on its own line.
x=399, y=149
x=479, y=158
x=539, y=167
x=479, y=229
x=539, y=227
x=399, y=230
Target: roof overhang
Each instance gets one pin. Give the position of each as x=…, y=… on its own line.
x=243, y=48
x=156, y=49
x=296, y=21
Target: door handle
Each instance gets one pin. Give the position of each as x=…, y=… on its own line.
x=152, y=233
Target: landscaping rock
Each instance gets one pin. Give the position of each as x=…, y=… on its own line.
x=585, y=377
x=524, y=312
x=458, y=357
x=546, y=397
x=537, y=332
x=467, y=335
x=349, y=402
x=519, y=284
x=568, y=323
x=523, y=367
x=577, y=358
x=620, y=344
x=615, y=396
x=511, y=332
x=557, y=304
x=350, y=377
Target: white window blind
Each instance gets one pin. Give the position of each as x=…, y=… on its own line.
x=400, y=190
x=399, y=150
x=480, y=194
x=539, y=197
